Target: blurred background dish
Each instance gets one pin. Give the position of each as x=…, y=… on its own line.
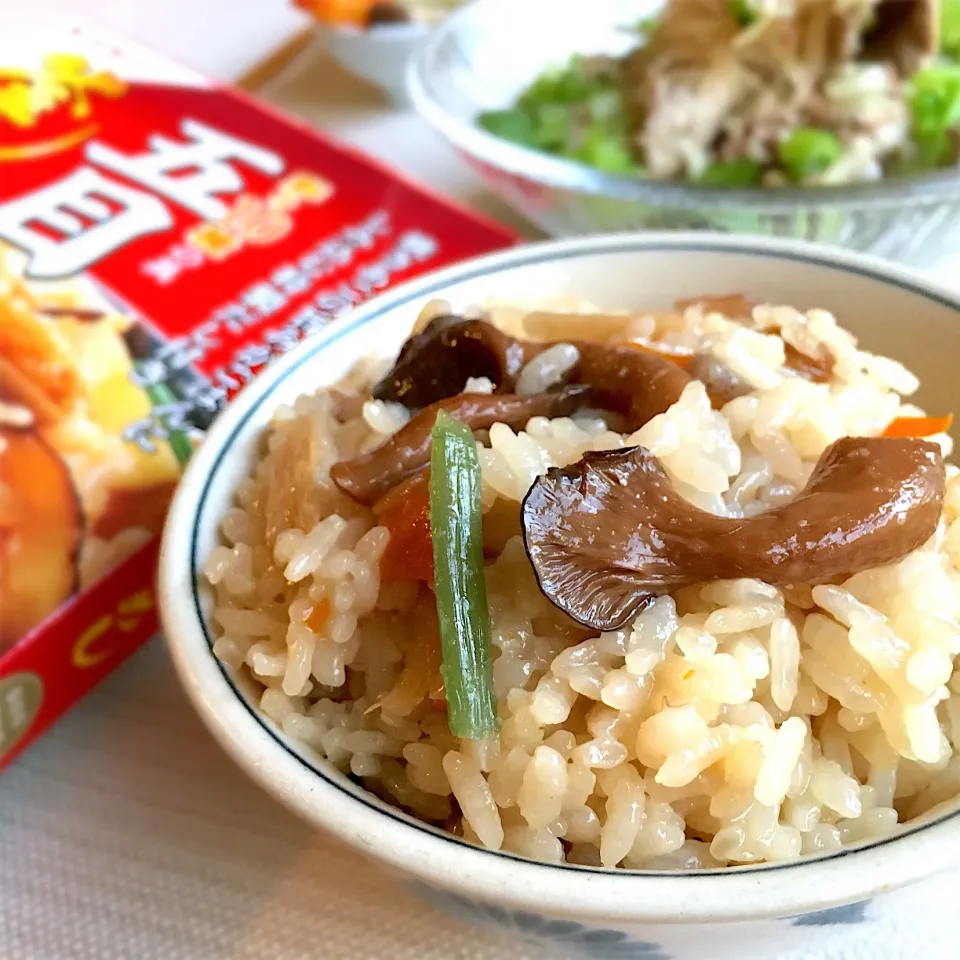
x=375, y=40
x=471, y=66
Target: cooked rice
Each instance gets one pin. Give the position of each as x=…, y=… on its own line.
x=732, y=722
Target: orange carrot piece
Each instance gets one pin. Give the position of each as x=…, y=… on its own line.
x=918, y=426
x=405, y=512
x=319, y=615
x=339, y=12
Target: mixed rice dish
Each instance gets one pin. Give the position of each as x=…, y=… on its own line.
x=655, y=591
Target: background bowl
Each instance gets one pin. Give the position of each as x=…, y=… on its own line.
x=380, y=55
x=710, y=915
x=481, y=57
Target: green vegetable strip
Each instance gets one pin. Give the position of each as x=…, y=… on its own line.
x=464, y=616
x=160, y=395
x=808, y=151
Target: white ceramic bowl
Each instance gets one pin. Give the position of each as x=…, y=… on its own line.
x=380, y=56
x=734, y=913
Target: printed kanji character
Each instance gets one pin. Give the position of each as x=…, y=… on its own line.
x=420, y=245
x=164, y=270
x=224, y=381
x=142, y=433
x=187, y=255
x=316, y=263
x=251, y=219
x=374, y=276
x=335, y=302
x=71, y=224
x=16, y=706
x=299, y=188
x=397, y=260
x=179, y=353
x=338, y=251
x=263, y=299
x=280, y=341
x=206, y=397
x=131, y=609
x=203, y=338
x=364, y=236
x=63, y=78
x=253, y=356
x=241, y=370
x=191, y=173
x=309, y=320
x=82, y=655
x=234, y=316
x=214, y=240
x=173, y=417
x=149, y=372
x=290, y=280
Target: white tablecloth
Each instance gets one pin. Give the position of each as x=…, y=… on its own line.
x=126, y=834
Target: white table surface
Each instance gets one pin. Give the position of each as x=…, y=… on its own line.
x=126, y=833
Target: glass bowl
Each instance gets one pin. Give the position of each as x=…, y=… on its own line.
x=483, y=56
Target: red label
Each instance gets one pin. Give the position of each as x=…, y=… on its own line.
x=221, y=234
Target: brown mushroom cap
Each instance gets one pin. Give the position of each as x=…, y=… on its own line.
x=610, y=533
x=436, y=363
x=371, y=475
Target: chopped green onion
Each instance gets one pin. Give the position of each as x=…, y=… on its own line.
x=742, y=11
x=552, y=126
x=455, y=523
x=809, y=151
x=950, y=29
x=605, y=151
x=514, y=125
x=934, y=109
x=646, y=26
x=735, y=173
x=567, y=84
x=606, y=106
x=935, y=99
x=160, y=395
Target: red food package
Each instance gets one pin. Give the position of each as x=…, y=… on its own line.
x=162, y=239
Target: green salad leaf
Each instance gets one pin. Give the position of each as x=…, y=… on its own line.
x=734, y=173
x=934, y=102
x=743, y=11
x=514, y=125
x=808, y=151
x=605, y=151
x=572, y=112
x=950, y=29
x=646, y=26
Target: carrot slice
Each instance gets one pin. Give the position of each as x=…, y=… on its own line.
x=319, y=615
x=339, y=12
x=405, y=512
x=918, y=426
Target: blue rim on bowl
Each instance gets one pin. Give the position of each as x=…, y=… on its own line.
x=324, y=796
